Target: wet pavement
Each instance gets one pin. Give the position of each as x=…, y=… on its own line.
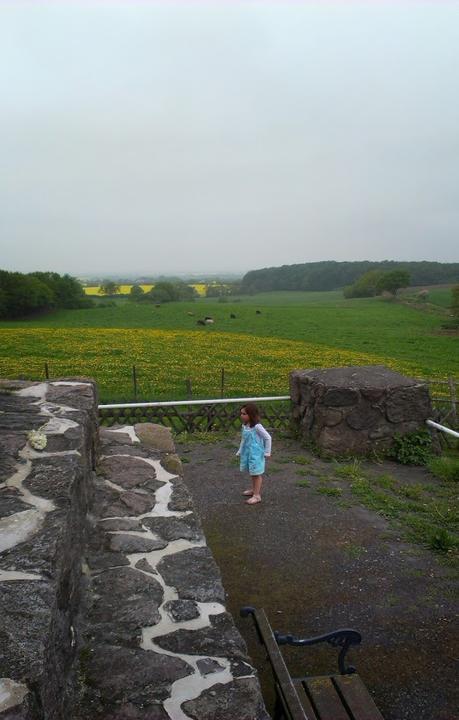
x=316, y=563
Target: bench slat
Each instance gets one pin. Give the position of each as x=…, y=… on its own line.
x=279, y=667
x=357, y=698
x=325, y=699
x=305, y=701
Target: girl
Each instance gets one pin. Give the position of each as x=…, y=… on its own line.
x=254, y=448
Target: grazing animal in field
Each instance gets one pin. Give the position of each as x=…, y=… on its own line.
x=233, y=316
x=208, y=317
x=209, y=321
x=258, y=312
x=190, y=313
x=201, y=322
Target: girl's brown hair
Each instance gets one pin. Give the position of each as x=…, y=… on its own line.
x=253, y=413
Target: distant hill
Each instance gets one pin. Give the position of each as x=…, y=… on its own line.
x=331, y=275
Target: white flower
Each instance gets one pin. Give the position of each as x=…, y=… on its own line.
x=37, y=439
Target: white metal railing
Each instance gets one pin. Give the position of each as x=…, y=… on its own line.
x=169, y=403
x=443, y=428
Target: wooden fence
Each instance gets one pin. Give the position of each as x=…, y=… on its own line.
x=203, y=416
x=215, y=415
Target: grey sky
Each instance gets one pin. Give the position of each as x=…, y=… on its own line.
x=148, y=137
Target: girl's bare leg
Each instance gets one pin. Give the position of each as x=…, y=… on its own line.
x=256, y=490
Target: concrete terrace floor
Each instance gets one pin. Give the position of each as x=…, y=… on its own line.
x=316, y=563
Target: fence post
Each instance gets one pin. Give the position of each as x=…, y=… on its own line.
x=223, y=383
x=134, y=381
x=46, y=371
x=452, y=387
x=189, y=389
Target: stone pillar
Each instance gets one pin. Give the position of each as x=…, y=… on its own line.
x=356, y=410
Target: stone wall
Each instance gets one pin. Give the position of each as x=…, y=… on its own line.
x=44, y=498
x=357, y=410
x=111, y=605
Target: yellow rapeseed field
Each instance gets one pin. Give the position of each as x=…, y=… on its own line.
x=126, y=289
x=164, y=359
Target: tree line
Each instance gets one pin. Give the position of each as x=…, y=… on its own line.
x=23, y=294
x=332, y=275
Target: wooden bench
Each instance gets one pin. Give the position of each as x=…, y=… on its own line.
x=330, y=697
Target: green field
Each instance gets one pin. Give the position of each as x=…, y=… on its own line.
x=304, y=329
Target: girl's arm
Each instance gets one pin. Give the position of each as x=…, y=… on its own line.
x=266, y=437
x=240, y=447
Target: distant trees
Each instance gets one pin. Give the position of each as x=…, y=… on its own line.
x=375, y=282
x=365, y=286
x=163, y=292
x=109, y=287
x=136, y=293
x=22, y=294
x=393, y=281
x=331, y=275
x=219, y=290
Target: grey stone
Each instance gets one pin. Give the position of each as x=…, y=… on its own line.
x=182, y=610
x=208, y=666
x=10, y=444
x=112, y=436
x=135, y=543
x=173, y=528
x=340, y=397
x=82, y=396
x=155, y=436
x=128, y=711
x=124, y=600
x=111, y=449
x=133, y=676
x=101, y=560
x=11, y=502
x=23, y=626
x=172, y=464
x=240, y=699
x=409, y=403
x=143, y=564
x=111, y=503
x=53, y=478
x=355, y=410
x=180, y=498
x=121, y=524
x=195, y=575
x=42, y=551
x=364, y=416
x=220, y=639
x=128, y=472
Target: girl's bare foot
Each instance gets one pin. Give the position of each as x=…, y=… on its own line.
x=248, y=492
x=253, y=500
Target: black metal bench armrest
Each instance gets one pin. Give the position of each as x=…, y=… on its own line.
x=342, y=638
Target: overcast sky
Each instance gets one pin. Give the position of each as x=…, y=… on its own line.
x=174, y=137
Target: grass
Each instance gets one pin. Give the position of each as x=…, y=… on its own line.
x=353, y=551
x=330, y=491
x=426, y=513
x=303, y=483
x=445, y=468
x=107, y=340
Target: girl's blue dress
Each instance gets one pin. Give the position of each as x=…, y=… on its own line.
x=252, y=457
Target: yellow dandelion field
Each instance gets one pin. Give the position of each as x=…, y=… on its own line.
x=165, y=359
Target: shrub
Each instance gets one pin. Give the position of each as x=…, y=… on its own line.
x=412, y=448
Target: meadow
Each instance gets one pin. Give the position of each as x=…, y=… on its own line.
x=257, y=350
